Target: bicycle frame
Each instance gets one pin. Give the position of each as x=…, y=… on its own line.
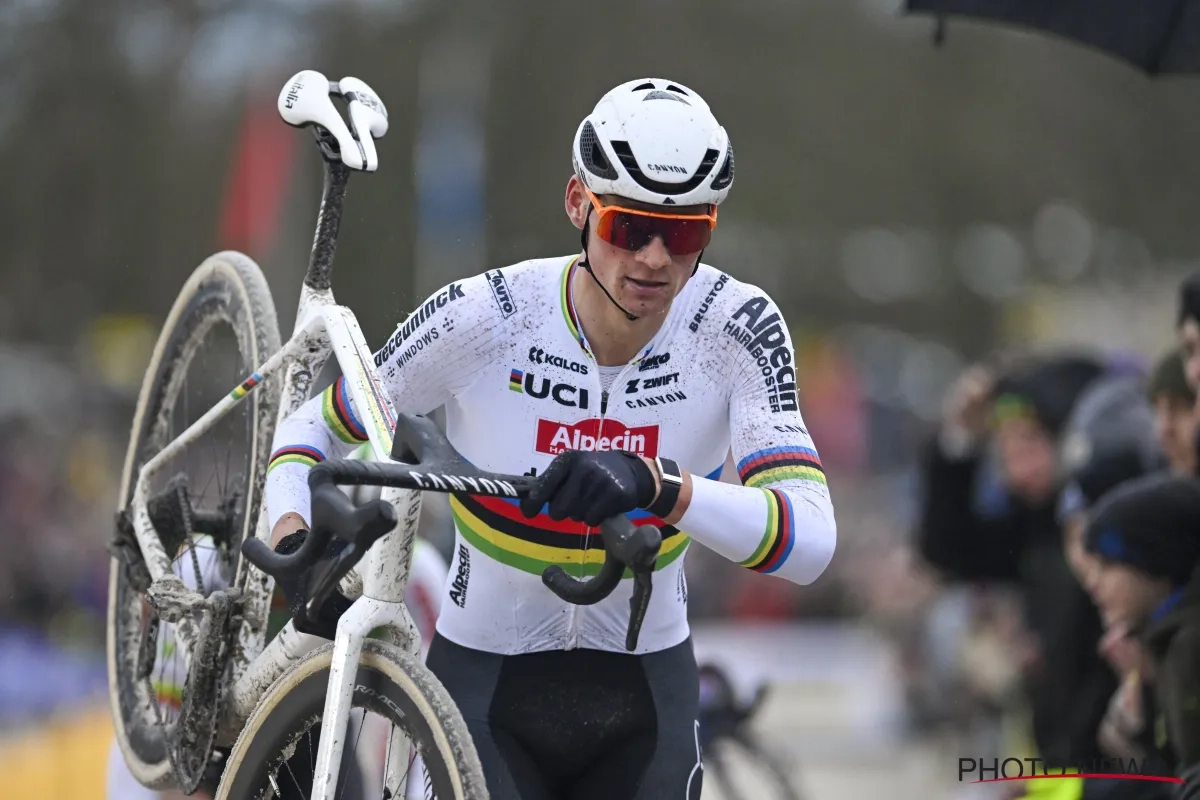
x=322, y=328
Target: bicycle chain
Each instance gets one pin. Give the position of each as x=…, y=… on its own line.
x=185, y=511
x=204, y=694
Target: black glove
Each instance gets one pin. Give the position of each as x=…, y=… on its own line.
x=591, y=487
x=296, y=587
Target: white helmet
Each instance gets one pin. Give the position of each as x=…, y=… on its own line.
x=657, y=142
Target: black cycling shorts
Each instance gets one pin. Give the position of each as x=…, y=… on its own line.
x=579, y=724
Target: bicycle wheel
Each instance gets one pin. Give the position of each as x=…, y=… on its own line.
x=742, y=769
x=220, y=328
x=391, y=684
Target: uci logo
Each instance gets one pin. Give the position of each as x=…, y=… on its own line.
x=562, y=393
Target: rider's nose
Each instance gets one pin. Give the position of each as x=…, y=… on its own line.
x=655, y=254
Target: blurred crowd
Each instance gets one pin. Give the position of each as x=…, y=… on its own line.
x=1049, y=605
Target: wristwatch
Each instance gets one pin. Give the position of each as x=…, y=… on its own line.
x=670, y=484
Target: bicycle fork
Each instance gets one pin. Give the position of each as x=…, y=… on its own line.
x=364, y=616
x=381, y=606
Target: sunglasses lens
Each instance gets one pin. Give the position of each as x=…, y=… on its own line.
x=635, y=231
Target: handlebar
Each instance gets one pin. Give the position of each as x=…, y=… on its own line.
x=420, y=444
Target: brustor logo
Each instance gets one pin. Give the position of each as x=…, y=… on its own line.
x=694, y=325
x=539, y=356
x=562, y=393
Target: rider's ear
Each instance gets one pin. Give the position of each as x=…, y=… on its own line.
x=576, y=202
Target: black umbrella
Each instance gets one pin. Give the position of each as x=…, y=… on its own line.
x=1157, y=36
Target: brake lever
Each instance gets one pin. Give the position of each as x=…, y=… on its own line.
x=361, y=526
x=330, y=575
x=639, y=603
x=625, y=546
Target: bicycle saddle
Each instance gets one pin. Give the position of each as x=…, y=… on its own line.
x=306, y=100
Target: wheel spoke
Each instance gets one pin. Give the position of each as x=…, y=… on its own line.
x=346, y=778
x=299, y=788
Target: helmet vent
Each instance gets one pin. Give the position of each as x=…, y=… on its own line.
x=658, y=94
x=725, y=176
x=642, y=86
x=592, y=154
x=673, y=88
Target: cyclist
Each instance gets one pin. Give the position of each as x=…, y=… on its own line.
x=619, y=378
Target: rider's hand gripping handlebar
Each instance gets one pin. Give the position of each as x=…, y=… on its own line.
x=424, y=459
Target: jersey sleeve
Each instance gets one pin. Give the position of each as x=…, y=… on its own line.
x=432, y=355
x=780, y=520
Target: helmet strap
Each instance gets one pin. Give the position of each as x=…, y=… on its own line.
x=583, y=240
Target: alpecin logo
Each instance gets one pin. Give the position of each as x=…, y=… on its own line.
x=558, y=437
x=458, y=589
x=766, y=340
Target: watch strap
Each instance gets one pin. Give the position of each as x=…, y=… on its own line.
x=671, y=481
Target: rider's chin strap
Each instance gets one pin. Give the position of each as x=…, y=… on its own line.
x=583, y=240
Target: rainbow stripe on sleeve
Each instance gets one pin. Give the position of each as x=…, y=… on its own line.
x=776, y=464
x=777, y=540
x=339, y=416
x=302, y=454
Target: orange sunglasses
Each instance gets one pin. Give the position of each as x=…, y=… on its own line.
x=633, y=229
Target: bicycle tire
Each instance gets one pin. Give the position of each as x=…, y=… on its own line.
x=767, y=769
x=411, y=697
x=227, y=289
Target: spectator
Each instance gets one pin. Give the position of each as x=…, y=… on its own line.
x=1174, y=403
x=1012, y=534
x=1109, y=440
x=1188, y=328
x=1145, y=535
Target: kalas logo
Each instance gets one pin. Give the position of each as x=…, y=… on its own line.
x=557, y=437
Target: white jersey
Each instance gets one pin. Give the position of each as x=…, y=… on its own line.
x=505, y=353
